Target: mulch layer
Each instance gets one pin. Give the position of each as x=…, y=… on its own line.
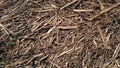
x=59, y=33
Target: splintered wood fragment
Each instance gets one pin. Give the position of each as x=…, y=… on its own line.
x=6, y=17
x=35, y=56
x=16, y=63
x=107, y=63
x=118, y=64
x=36, y=25
x=82, y=10
x=50, y=30
x=101, y=34
x=104, y=11
x=68, y=51
x=5, y=29
x=101, y=5
x=79, y=1
x=35, y=2
x=114, y=56
x=68, y=4
x=40, y=10
x=65, y=52
x=54, y=6
x=55, y=64
x=1, y=2
x=67, y=27
x=117, y=50
x=43, y=58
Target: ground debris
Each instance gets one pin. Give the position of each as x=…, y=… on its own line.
x=59, y=33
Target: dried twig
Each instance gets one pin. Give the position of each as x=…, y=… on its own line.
x=118, y=64
x=43, y=58
x=103, y=38
x=35, y=56
x=68, y=4
x=101, y=4
x=5, y=29
x=6, y=17
x=68, y=51
x=54, y=6
x=40, y=10
x=104, y=11
x=115, y=54
x=50, y=30
x=82, y=10
x=101, y=34
x=67, y=27
x=15, y=63
x=55, y=65
x=35, y=2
